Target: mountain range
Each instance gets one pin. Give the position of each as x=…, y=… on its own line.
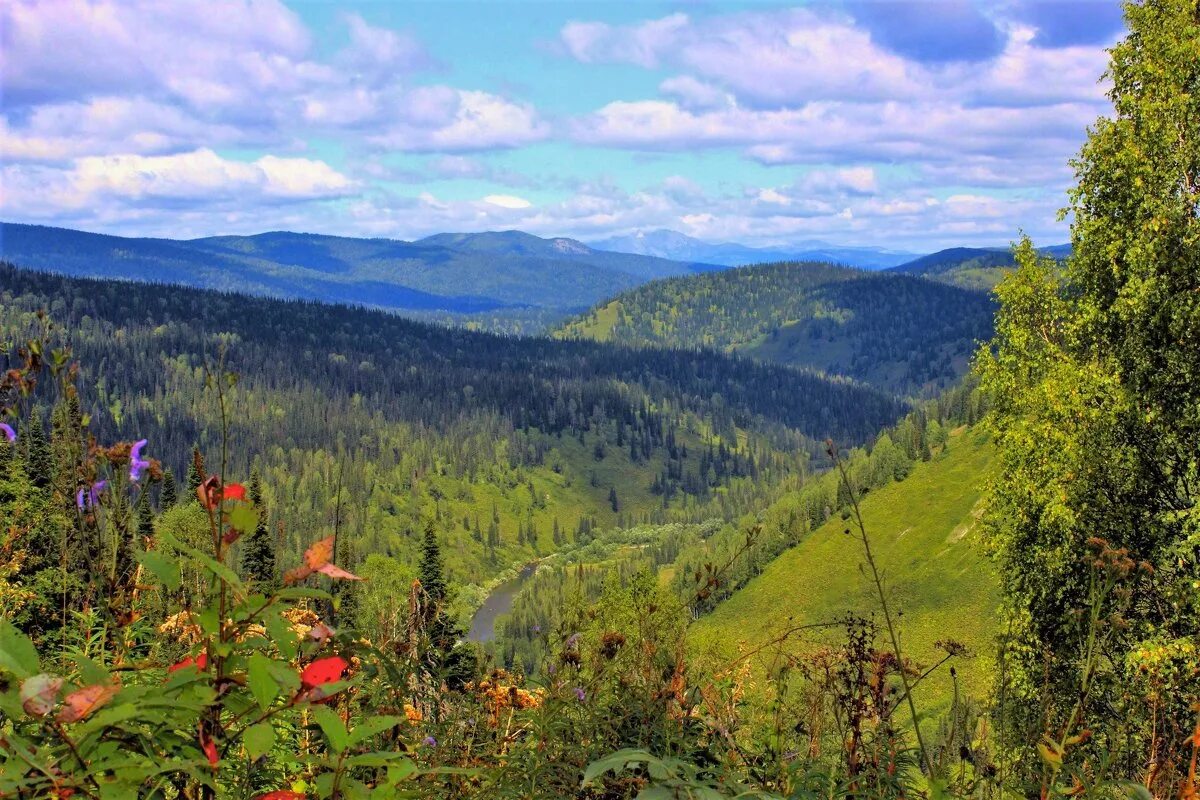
x=453, y=272
x=678, y=246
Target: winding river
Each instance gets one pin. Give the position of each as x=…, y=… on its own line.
x=498, y=603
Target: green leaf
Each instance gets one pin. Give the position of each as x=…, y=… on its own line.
x=211, y=564
x=259, y=739
x=373, y=727
x=17, y=654
x=616, y=762
x=282, y=635
x=333, y=728
x=285, y=675
x=261, y=681
x=165, y=569
x=91, y=671
x=243, y=517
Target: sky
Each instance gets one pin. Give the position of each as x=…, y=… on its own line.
x=906, y=125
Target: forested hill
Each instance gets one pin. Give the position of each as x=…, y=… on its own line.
x=457, y=273
x=899, y=333
x=971, y=267
x=509, y=443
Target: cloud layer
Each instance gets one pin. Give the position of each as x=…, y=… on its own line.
x=900, y=123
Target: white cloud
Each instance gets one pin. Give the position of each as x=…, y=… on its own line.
x=200, y=177
x=642, y=44
x=507, y=201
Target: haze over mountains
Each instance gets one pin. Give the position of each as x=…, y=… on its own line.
x=675, y=245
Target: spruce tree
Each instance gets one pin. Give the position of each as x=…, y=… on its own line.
x=38, y=464
x=432, y=568
x=195, y=473
x=258, y=555
x=170, y=492
x=145, y=516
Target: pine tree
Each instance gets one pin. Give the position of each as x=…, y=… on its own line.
x=258, y=555
x=612, y=499
x=195, y=473
x=432, y=568
x=38, y=464
x=170, y=492
x=455, y=665
x=145, y=516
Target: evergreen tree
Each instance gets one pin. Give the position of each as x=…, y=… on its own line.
x=195, y=473
x=612, y=499
x=170, y=492
x=145, y=516
x=432, y=568
x=258, y=554
x=38, y=464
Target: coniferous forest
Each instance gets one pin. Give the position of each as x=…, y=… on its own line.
x=786, y=531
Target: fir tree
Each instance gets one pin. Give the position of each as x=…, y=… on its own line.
x=145, y=516
x=432, y=568
x=258, y=556
x=38, y=465
x=170, y=492
x=195, y=473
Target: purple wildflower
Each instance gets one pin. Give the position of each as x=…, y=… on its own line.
x=8, y=432
x=136, y=462
x=537, y=628
x=573, y=640
x=89, y=496
x=580, y=694
x=429, y=741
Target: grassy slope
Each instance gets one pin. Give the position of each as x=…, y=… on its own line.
x=922, y=531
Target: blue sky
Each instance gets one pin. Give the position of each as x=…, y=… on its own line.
x=913, y=125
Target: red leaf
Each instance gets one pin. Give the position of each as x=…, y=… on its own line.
x=281, y=794
x=80, y=703
x=210, y=749
x=209, y=492
x=234, y=491
x=336, y=572
x=199, y=663
x=322, y=671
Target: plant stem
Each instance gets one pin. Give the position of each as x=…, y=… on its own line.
x=887, y=614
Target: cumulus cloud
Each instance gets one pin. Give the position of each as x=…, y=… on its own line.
x=868, y=121
x=197, y=178
x=149, y=77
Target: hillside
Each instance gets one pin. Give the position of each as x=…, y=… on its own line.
x=456, y=273
x=681, y=247
x=923, y=534
x=899, y=333
x=971, y=267
x=497, y=438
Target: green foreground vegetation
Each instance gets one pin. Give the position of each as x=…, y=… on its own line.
x=168, y=638
x=926, y=538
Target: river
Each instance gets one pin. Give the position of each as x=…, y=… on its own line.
x=498, y=603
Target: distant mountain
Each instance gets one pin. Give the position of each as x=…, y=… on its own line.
x=900, y=333
x=457, y=273
x=648, y=266
x=678, y=246
x=971, y=267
